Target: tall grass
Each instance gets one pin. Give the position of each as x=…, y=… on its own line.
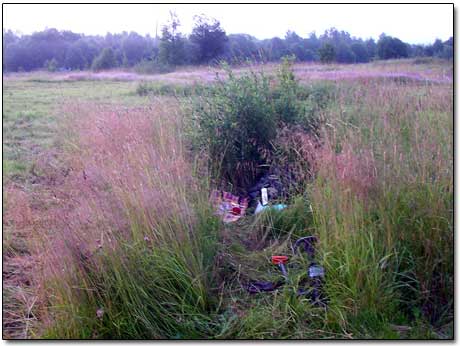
x=382, y=204
x=384, y=213
x=131, y=247
x=132, y=254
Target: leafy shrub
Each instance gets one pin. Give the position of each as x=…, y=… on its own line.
x=286, y=95
x=238, y=118
x=236, y=125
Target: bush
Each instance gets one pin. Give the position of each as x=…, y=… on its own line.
x=238, y=119
x=236, y=125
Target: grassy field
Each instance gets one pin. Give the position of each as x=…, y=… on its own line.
x=108, y=230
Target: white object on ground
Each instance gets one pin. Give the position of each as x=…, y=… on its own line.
x=264, y=192
x=259, y=208
x=315, y=271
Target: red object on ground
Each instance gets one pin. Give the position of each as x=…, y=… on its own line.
x=279, y=259
x=230, y=207
x=236, y=211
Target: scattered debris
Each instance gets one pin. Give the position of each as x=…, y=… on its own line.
x=230, y=207
x=263, y=286
x=269, y=187
x=310, y=287
x=280, y=261
x=261, y=207
x=100, y=312
x=315, y=271
x=264, y=193
x=308, y=246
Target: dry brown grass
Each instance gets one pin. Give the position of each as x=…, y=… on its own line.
x=117, y=166
x=439, y=72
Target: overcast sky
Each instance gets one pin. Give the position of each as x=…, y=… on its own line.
x=416, y=23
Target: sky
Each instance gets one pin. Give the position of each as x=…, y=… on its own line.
x=413, y=23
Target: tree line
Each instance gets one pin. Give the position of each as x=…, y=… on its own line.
x=208, y=43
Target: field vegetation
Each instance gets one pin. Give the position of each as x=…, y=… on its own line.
x=109, y=230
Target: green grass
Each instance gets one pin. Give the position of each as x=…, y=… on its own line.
x=11, y=167
x=32, y=108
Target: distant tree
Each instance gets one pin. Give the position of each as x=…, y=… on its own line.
x=105, y=60
x=46, y=45
x=447, y=52
x=240, y=47
x=155, y=48
x=391, y=48
x=191, y=52
x=90, y=48
x=344, y=54
x=437, y=46
x=312, y=42
x=428, y=50
x=327, y=53
x=276, y=49
x=371, y=48
x=69, y=36
x=171, y=49
x=75, y=58
x=416, y=50
x=209, y=37
x=15, y=55
x=310, y=55
x=360, y=51
x=336, y=37
x=295, y=45
x=207, y=42
x=448, y=49
x=9, y=37
x=134, y=47
x=440, y=49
